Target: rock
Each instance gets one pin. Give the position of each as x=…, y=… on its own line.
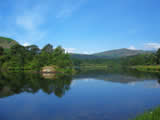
x=49, y=69
x=49, y=72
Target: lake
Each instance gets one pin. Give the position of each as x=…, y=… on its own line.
x=89, y=95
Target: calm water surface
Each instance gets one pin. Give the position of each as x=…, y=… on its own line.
x=91, y=95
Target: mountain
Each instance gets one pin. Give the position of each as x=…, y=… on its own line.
x=121, y=53
x=83, y=56
x=118, y=53
x=7, y=42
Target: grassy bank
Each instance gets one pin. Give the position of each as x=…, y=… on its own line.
x=93, y=67
x=152, y=115
x=147, y=68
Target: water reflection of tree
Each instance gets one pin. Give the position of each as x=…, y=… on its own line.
x=158, y=76
x=59, y=85
x=15, y=83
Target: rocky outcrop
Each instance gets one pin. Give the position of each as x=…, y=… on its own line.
x=49, y=72
x=48, y=69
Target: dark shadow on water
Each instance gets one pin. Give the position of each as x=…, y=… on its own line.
x=16, y=83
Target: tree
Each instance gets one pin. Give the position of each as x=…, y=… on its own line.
x=33, y=49
x=17, y=50
x=158, y=56
x=60, y=58
x=48, y=48
x=1, y=51
x=18, y=54
x=20, y=58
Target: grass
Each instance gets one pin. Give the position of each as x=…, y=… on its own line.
x=93, y=67
x=147, y=68
x=152, y=115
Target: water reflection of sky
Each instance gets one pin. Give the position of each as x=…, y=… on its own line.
x=145, y=83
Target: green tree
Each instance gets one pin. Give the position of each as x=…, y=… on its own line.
x=158, y=56
x=62, y=60
x=18, y=54
x=1, y=51
x=48, y=48
x=33, y=49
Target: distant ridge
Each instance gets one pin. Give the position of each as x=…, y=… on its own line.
x=82, y=56
x=124, y=52
x=7, y=42
x=118, y=53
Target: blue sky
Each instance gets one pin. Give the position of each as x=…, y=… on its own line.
x=83, y=26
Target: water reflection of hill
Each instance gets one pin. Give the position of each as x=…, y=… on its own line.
x=125, y=76
x=15, y=83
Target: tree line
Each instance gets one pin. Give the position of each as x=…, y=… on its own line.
x=33, y=58
x=141, y=59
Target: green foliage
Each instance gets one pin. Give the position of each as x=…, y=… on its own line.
x=147, y=59
x=158, y=56
x=1, y=51
x=7, y=42
x=144, y=59
x=33, y=49
x=121, y=53
x=147, y=68
x=60, y=58
x=152, y=115
x=48, y=48
x=32, y=58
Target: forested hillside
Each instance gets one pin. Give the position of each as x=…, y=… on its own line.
x=18, y=57
x=121, y=53
x=7, y=42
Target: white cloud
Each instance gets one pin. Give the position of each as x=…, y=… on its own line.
x=26, y=44
x=86, y=52
x=152, y=46
x=27, y=22
x=31, y=19
x=132, y=48
x=74, y=50
x=70, y=50
x=30, y=22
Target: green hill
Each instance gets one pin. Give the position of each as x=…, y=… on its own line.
x=7, y=42
x=121, y=53
x=118, y=53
